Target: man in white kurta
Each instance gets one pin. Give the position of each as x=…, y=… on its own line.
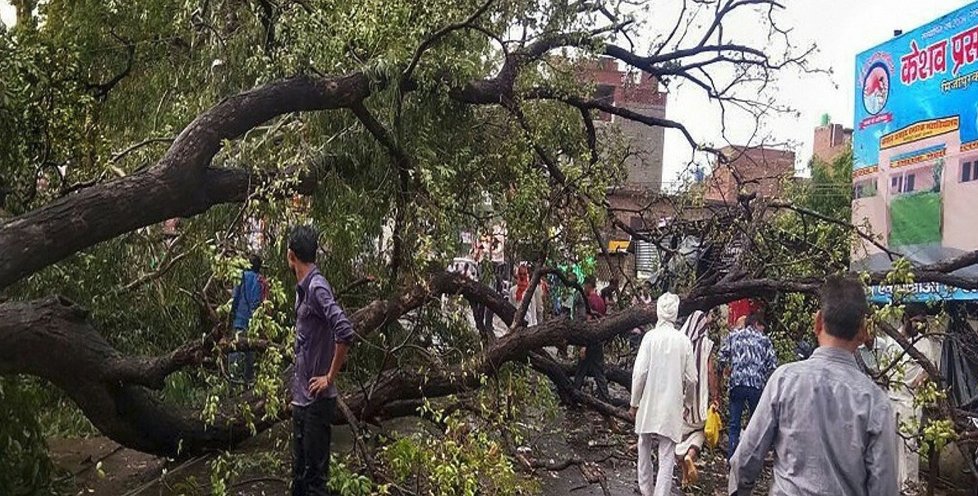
x=909, y=378
x=663, y=368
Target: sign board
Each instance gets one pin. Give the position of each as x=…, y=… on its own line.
x=915, y=147
x=618, y=246
x=924, y=292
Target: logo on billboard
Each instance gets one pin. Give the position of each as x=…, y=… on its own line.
x=876, y=88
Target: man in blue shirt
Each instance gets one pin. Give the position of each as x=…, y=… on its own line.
x=751, y=359
x=248, y=296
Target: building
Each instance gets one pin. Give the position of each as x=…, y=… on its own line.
x=831, y=140
x=640, y=94
x=914, y=197
x=747, y=170
x=638, y=203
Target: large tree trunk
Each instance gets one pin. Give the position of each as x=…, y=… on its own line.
x=116, y=391
x=51, y=339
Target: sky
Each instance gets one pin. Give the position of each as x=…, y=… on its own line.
x=839, y=28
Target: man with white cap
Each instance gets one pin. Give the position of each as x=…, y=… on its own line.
x=657, y=395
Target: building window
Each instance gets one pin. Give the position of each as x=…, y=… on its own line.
x=864, y=189
x=903, y=184
x=605, y=93
x=646, y=259
x=969, y=172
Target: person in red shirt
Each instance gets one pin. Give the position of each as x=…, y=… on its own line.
x=592, y=357
x=741, y=308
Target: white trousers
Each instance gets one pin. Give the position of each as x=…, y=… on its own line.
x=667, y=462
x=693, y=437
x=908, y=460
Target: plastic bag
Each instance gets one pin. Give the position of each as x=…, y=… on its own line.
x=713, y=426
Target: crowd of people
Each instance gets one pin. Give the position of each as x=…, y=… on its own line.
x=679, y=369
x=830, y=420
x=831, y=426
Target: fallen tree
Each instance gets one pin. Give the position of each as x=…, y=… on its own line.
x=517, y=119
x=115, y=391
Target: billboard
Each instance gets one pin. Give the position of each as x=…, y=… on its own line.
x=915, y=147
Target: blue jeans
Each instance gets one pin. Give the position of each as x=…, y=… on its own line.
x=241, y=364
x=740, y=396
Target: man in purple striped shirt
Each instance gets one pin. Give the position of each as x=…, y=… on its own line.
x=323, y=336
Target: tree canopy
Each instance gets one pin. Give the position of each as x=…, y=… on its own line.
x=390, y=125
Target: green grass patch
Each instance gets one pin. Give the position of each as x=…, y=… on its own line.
x=915, y=219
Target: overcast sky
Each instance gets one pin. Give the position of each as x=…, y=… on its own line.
x=840, y=29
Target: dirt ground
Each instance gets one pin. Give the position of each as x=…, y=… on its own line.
x=606, y=451
x=608, y=462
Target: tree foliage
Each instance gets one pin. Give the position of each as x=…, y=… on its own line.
x=389, y=125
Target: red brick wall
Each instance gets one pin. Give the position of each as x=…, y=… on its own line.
x=605, y=71
x=762, y=170
x=638, y=93
x=829, y=141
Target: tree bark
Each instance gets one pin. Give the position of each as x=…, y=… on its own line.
x=86, y=368
x=114, y=391
x=179, y=185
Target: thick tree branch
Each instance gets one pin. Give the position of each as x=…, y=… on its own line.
x=177, y=186
x=86, y=370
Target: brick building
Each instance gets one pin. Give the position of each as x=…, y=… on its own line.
x=830, y=141
x=760, y=169
x=638, y=93
x=638, y=202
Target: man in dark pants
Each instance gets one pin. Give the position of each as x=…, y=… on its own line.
x=592, y=357
x=751, y=360
x=323, y=336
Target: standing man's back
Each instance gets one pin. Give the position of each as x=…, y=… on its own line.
x=751, y=359
x=663, y=368
x=830, y=426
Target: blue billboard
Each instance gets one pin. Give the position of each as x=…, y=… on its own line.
x=915, y=147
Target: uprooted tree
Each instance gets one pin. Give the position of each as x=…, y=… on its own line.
x=391, y=126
